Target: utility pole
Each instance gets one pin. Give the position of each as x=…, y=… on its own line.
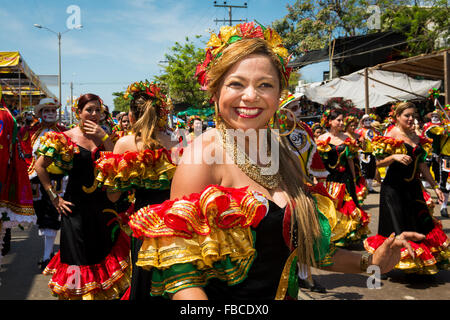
x=71, y=102
x=230, y=15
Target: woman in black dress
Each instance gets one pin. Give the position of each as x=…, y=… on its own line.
x=402, y=203
x=226, y=231
x=93, y=260
x=338, y=152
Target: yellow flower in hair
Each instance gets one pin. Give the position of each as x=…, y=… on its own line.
x=226, y=32
x=274, y=40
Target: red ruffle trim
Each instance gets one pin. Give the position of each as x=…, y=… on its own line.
x=427, y=251
x=224, y=207
x=69, y=281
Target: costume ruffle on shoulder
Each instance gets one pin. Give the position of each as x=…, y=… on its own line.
x=201, y=236
x=350, y=151
x=150, y=169
x=60, y=148
x=383, y=146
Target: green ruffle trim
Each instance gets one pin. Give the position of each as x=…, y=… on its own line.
x=58, y=161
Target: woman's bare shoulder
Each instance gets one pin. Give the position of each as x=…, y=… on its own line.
x=125, y=143
x=198, y=167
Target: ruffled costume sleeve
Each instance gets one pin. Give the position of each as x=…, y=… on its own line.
x=199, y=237
x=60, y=149
x=149, y=169
x=352, y=148
x=385, y=146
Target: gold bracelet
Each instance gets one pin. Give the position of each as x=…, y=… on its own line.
x=436, y=186
x=52, y=194
x=364, y=263
x=106, y=136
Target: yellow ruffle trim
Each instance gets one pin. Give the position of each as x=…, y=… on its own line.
x=387, y=146
x=88, y=292
x=151, y=169
x=201, y=231
x=56, y=146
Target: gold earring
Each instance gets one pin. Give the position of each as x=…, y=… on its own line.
x=282, y=122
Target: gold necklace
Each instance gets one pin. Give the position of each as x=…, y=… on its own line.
x=253, y=171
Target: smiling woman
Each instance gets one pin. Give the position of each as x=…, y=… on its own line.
x=231, y=229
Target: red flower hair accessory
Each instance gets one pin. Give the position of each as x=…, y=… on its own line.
x=230, y=34
x=154, y=92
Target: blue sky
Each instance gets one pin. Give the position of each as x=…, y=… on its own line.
x=121, y=41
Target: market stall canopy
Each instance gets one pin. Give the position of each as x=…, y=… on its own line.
x=425, y=65
x=384, y=87
x=21, y=86
x=202, y=112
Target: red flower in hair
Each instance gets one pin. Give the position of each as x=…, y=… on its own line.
x=248, y=30
x=200, y=70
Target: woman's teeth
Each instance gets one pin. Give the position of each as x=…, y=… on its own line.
x=247, y=111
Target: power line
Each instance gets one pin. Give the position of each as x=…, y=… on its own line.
x=230, y=14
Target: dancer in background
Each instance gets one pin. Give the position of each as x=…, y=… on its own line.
x=368, y=161
x=92, y=250
x=337, y=151
x=438, y=131
x=301, y=140
x=48, y=219
x=317, y=130
x=402, y=203
x=350, y=125
x=140, y=164
x=16, y=200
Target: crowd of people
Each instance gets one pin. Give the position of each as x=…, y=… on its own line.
x=148, y=212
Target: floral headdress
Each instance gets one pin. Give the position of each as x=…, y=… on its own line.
x=324, y=119
x=154, y=92
x=190, y=121
x=433, y=93
x=350, y=119
x=231, y=34
x=315, y=126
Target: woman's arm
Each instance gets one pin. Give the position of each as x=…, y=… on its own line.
x=385, y=257
x=196, y=293
x=193, y=175
x=61, y=205
x=429, y=178
x=386, y=162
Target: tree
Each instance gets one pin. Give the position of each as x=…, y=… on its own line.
x=312, y=24
x=427, y=27
x=120, y=104
x=178, y=76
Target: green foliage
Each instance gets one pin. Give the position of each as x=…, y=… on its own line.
x=120, y=104
x=423, y=26
x=311, y=24
x=293, y=81
x=178, y=75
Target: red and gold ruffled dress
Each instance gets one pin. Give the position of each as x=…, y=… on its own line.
x=351, y=222
x=403, y=207
x=144, y=178
x=232, y=242
x=93, y=260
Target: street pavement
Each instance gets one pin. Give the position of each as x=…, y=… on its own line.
x=20, y=278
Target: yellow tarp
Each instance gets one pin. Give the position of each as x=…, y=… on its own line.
x=8, y=59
